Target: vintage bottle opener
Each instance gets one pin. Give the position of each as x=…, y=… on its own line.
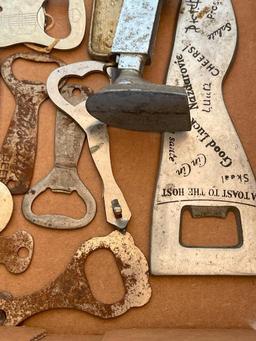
x=117, y=211
x=24, y=22
x=6, y=206
x=205, y=170
x=69, y=141
x=17, y=154
x=9, y=251
x=130, y=102
x=71, y=289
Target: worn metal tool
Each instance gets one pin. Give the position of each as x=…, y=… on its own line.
x=24, y=22
x=69, y=141
x=17, y=154
x=117, y=211
x=130, y=102
x=6, y=206
x=10, y=248
x=71, y=289
x=206, y=170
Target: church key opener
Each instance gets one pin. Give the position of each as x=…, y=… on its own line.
x=117, y=210
x=6, y=206
x=17, y=154
x=131, y=102
x=9, y=251
x=72, y=290
x=24, y=22
x=69, y=140
x=206, y=170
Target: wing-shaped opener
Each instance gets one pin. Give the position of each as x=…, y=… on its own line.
x=17, y=154
x=69, y=141
x=117, y=211
x=205, y=170
x=24, y=22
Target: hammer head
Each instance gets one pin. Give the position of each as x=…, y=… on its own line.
x=141, y=106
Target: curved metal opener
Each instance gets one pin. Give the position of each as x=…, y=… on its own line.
x=9, y=251
x=69, y=140
x=117, y=211
x=71, y=289
x=24, y=22
x=6, y=206
x=17, y=154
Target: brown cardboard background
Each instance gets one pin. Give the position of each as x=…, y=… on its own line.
x=197, y=302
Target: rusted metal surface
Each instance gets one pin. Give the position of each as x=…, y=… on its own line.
x=71, y=289
x=98, y=139
x=104, y=21
x=17, y=155
x=6, y=206
x=24, y=22
x=69, y=141
x=9, y=251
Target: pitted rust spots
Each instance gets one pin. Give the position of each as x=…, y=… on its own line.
x=17, y=155
x=71, y=289
x=9, y=251
x=203, y=12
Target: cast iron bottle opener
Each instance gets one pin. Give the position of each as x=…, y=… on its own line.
x=69, y=140
x=131, y=102
x=71, y=289
x=17, y=154
x=117, y=211
x=205, y=170
x=24, y=22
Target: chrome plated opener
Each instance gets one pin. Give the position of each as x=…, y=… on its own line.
x=17, y=154
x=9, y=251
x=71, y=289
x=205, y=170
x=130, y=102
x=69, y=141
x=6, y=206
x=24, y=22
x=117, y=211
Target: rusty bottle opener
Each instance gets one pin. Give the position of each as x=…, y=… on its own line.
x=117, y=211
x=9, y=251
x=17, y=155
x=69, y=140
x=24, y=22
x=71, y=289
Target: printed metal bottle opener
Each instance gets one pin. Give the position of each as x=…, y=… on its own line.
x=17, y=154
x=205, y=170
x=9, y=251
x=131, y=102
x=6, y=206
x=69, y=141
x=24, y=22
x=117, y=211
x=71, y=289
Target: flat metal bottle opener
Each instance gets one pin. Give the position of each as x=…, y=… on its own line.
x=205, y=170
x=117, y=211
x=131, y=102
x=24, y=22
x=9, y=251
x=71, y=289
x=17, y=154
x=6, y=206
x=69, y=141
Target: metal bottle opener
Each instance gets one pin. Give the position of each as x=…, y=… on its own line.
x=130, y=102
x=9, y=251
x=6, y=206
x=205, y=170
x=69, y=141
x=17, y=154
x=24, y=22
x=72, y=290
x=117, y=211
